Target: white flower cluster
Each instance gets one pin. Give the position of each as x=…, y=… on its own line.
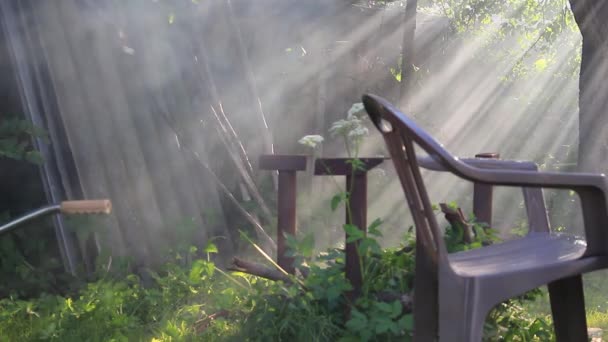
x=351, y=129
x=311, y=140
x=345, y=126
x=359, y=131
x=356, y=109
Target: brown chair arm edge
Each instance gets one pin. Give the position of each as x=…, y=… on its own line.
x=591, y=189
x=538, y=221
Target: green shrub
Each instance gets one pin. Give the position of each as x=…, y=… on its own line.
x=112, y=309
x=315, y=309
x=189, y=299
x=197, y=301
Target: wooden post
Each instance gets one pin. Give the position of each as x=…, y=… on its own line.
x=482, y=196
x=357, y=215
x=286, y=222
x=287, y=166
x=356, y=183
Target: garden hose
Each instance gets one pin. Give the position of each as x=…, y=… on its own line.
x=103, y=206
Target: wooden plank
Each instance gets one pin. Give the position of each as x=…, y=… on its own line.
x=283, y=162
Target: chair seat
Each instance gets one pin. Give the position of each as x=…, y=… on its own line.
x=536, y=250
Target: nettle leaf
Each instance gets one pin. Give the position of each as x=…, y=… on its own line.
x=357, y=322
x=15, y=140
x=336, y=200
x=369, y=244
x=307, y=245
x=304, y=247
x=373, y=228
x=384, y=307
x=210, y=248
x=292, y=244
x=407, y=321
x=353, y=232
x=199, y=268
x=382, y=326
x=396, y=309
x=333, y=292
x=357, y=164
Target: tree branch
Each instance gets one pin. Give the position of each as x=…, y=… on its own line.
x=258, y=270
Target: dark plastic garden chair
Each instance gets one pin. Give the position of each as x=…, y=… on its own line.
x=455, y=292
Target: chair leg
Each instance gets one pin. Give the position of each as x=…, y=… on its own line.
x=461, y=318
x=425, y=299
x=568, y=309
x=467, y=326
x=460, y=329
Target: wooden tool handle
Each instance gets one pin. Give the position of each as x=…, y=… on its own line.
x=103, y=206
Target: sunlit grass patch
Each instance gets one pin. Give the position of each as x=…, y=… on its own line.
x=598, y=319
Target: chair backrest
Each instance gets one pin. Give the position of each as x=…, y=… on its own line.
x=400, y=134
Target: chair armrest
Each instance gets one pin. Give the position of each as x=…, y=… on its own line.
x=513, y=173
x=591, y=189
x=561, y=180
x=484, y=163
x=533, y=197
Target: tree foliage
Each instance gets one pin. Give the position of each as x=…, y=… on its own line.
x=537, y=33
x=16, y=139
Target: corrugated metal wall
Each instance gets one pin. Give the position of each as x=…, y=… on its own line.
x=125, y=77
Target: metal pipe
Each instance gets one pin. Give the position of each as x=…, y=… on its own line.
x=52, y=209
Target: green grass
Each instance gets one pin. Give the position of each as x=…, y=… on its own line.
x=597, y=319
x=192, y=300
x=596, y=302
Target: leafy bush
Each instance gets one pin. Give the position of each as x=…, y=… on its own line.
x=383, y=312
x=15, y=139
x=190, y=298
x=195, y=300
x=27, y=266
x=110, y=309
